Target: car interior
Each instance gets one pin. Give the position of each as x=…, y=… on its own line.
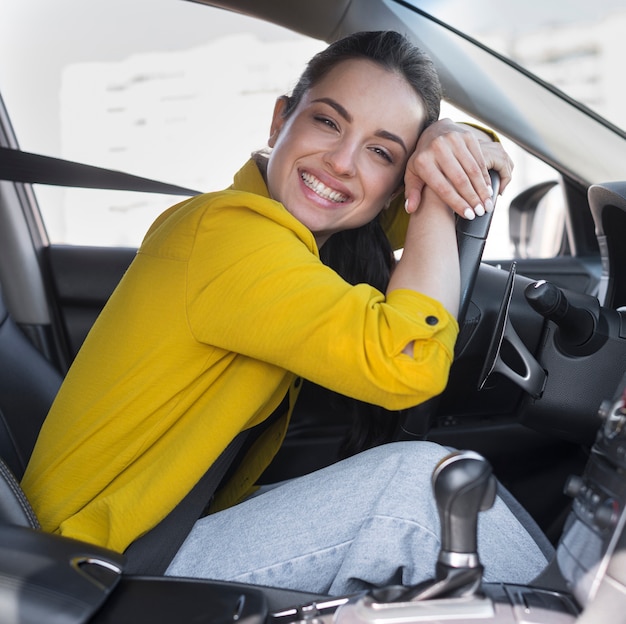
x=536, y=396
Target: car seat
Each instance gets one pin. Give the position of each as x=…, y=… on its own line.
x=45, y=577
x=28, y=385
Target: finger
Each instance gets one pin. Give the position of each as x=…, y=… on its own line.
x=505, y=171
x=462, y=184
x=484, y=142
x=448, y=191
x=478, y=171
x=498, y=160
x=413, y=199
x=413, y=186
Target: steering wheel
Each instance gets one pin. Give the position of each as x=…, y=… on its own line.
x=471, y=238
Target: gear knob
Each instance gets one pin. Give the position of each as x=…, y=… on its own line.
x=463, y=485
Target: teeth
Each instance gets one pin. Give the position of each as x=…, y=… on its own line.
x=321, y=189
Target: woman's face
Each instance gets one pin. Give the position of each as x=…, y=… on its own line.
x=340, y=155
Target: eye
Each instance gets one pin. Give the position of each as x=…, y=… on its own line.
x=326, y=121
x=383, y=153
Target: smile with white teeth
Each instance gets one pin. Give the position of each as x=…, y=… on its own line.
x=321, y=189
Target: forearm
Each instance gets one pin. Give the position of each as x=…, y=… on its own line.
x=430, y=262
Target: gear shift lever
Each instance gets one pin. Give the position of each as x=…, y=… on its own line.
x=463, y=485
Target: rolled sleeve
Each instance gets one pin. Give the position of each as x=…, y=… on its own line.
x=263, y=293
x=427, y=319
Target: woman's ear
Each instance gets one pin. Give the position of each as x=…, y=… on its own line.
x=278, y=119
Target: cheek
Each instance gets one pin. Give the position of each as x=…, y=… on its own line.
x=276, y=171
x=283, y=155
x=382, y=187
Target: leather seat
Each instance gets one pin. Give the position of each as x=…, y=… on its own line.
x=28, y=385
x=14, y=506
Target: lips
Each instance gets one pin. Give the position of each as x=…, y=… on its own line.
x=319, y=188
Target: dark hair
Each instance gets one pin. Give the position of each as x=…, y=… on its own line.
x=389, y=49
x=364, y=255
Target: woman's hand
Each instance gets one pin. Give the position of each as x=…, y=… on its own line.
x=454, y=161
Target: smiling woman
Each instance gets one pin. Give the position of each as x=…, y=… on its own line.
x=319, y=145
x=230, y=312
x=225, y=309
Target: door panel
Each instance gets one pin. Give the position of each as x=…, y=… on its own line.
x=83, y=279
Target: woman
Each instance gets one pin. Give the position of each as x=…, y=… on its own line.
x=228, y=305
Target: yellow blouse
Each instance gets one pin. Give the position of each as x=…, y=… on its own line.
x=224, y=306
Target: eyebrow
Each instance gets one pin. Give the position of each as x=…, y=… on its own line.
x=383, y=134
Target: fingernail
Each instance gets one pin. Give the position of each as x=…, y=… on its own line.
x=479, y=210
x=469, y=214
x=406, y=205
x=490, y=189
x=489, y=206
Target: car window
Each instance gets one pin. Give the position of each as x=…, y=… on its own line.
x=173, y=91
x=576, y=46
x=164, y=89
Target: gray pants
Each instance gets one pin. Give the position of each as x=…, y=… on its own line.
x=370, y=520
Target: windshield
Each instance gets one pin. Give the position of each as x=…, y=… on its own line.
x=576, y=45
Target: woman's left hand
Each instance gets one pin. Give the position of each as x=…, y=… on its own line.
x=454, y=161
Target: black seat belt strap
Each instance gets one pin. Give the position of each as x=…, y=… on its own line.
x=19, y=166
x=153, y=551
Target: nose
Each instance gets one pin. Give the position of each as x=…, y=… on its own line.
x=341, y=158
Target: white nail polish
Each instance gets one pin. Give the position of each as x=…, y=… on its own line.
x=489, y=206
x=406, y=206
x=479, y=210
x=469, y=214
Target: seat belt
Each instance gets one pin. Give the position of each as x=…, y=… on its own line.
x=152, y=552
x=30, y=168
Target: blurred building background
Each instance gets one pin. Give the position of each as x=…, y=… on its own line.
x=585, y=61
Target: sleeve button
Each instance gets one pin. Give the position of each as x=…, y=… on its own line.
x=432, y=320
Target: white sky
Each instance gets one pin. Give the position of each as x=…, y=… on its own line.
x=36, y=34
